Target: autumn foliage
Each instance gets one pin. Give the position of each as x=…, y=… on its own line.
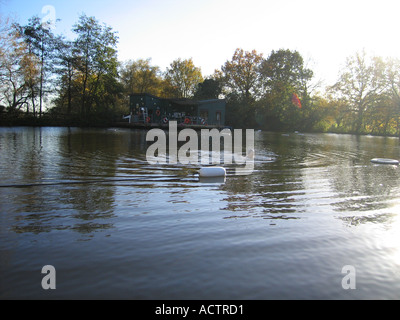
x=44, y=77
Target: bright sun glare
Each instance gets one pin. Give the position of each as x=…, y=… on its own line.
x=390, y=236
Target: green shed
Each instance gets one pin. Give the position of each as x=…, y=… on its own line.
x=147, y=108
x=213, y=110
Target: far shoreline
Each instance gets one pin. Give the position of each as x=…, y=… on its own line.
x=146, y=127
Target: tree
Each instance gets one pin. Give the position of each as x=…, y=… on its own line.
x=240, y=79
x=208, y=89
x=40, y=42
x=326, y=113
x=361, y=84
x=338, y=110
x=393, y=82
x=65, y=68
x=141, y=77
x=96, y=62
x=184, y=77
x=381, y=119
x=284, y=76
x=285, y=66
x=88, y=86
x=241, y=75
x=17, y=68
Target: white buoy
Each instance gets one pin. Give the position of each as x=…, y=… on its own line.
x=212, y=172
x=385, y=161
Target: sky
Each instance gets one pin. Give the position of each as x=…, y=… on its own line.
x=325, y=32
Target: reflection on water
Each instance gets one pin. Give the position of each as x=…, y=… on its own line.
x=115, y=226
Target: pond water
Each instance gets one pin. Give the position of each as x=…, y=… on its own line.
x=87, y=202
